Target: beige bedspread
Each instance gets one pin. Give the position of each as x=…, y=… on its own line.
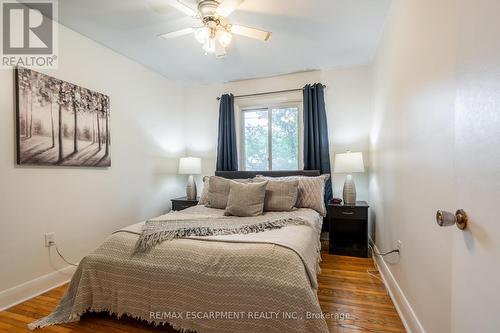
x=261, y=282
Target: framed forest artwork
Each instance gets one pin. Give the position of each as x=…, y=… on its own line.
x=60, y=123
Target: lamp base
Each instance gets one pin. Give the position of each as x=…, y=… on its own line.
x=349, y=192
x=191, y=188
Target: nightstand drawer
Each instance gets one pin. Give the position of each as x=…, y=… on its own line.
x=180, y=206
x=348, y=229
x=351, y=213
x=183, y=203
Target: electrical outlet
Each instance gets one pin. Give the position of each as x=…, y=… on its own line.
x=399, y=244
x=50, y=239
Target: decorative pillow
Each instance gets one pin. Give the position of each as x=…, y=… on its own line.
x=218, y=191
x=281, y=195
x=204, y=193
x=310, y=193
x=246, y=199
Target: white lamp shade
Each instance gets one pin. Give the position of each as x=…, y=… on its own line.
x=349, y=163
x=189, y=166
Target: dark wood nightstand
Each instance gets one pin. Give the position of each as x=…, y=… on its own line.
x=183, y=203
x=349, y=229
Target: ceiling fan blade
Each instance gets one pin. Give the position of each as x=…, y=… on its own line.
x=227, y=7
x=220, y=51
x=177, y=4
x=177, y=33
x=251, y=32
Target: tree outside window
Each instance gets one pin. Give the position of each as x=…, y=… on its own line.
x=271, y=138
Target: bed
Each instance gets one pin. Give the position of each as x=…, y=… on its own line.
x=256, y=282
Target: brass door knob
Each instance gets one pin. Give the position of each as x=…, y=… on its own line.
x=445, y=219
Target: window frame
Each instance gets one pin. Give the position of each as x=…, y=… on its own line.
x=269, y=107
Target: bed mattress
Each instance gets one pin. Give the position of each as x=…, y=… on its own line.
x=260, y=282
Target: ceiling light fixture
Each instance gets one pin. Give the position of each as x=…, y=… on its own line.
x=224, y=37
x=202, y=34
x=213, y=39
x=209, y=46
x=216, y=34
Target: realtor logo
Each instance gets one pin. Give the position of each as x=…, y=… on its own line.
x=28, y=34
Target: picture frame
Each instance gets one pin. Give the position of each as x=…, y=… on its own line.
x=60, y=123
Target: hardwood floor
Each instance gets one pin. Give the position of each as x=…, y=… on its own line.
x=345, y=288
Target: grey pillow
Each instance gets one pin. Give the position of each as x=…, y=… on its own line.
x=281, y=195
x=246, y=199
x=218, y=191
x=311, y=191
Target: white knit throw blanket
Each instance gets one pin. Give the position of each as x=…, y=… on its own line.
x=155, y=232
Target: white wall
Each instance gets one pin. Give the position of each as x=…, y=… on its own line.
x=84, y=205
x=347, y=98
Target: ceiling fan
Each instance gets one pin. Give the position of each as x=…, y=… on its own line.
x=215, y=33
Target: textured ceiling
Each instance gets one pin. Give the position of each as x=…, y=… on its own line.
x=307, y=35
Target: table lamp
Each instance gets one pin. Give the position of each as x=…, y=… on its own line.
x=349, y=163
x=190, y=166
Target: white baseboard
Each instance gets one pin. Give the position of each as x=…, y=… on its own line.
x=403, y=307
x=30, y=289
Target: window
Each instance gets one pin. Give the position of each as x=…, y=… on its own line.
x=270, y=138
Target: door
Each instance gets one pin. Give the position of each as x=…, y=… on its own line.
x=476, y=251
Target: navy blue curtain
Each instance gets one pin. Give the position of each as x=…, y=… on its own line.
x=227, y=154
x=316, y=147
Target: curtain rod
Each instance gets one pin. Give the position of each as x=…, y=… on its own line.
x=268, y=93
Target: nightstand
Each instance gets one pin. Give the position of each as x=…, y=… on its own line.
x=183, y=203
x=349, y=229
